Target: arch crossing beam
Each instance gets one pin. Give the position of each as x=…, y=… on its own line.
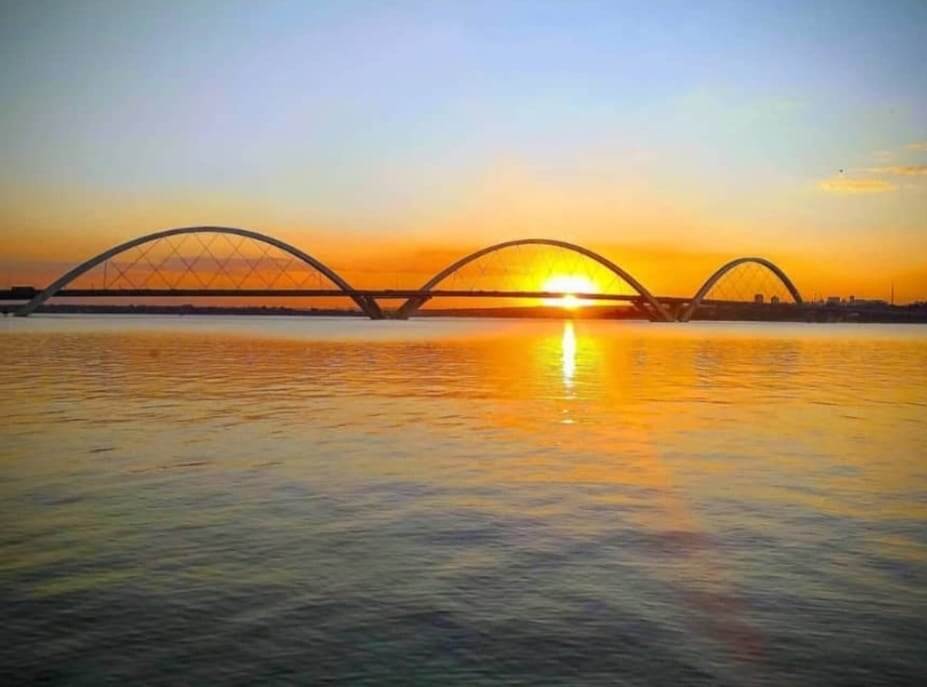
x=709, y=284
x=410, y=306
x=367, y=305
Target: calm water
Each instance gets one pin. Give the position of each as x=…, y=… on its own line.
x=308, y=501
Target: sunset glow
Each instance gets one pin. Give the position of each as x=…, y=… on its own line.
x=770, y=132
x=572, y=287
x=463, y=342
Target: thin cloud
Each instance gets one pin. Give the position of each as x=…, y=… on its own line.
x=844, y=185
x=903, y=170
x=917, y=146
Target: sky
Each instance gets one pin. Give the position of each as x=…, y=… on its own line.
x=669, y=135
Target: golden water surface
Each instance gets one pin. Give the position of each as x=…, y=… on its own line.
x=243, y=500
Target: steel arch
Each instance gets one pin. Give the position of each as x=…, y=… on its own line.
x=727, y=267
x=367, y=306
x=414, y=303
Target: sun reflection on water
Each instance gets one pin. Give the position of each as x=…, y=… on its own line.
x=568, y=348
x=533, y=462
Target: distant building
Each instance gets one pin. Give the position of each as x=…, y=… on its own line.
x=758, y=298
x=774, y=300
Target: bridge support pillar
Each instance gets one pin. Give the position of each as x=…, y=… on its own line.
x=675, y=310
x=651, y=313
x=410, y=306
x=372, y=309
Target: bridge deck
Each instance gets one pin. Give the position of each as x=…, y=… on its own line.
x=26, y=293
x=22, y=294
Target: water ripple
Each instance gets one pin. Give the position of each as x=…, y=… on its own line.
x=320, y=501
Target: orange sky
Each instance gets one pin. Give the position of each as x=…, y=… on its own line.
x=671, y=244
x=388, y=139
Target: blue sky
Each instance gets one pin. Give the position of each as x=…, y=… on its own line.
x=704, y=121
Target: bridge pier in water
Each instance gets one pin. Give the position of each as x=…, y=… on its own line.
x=372, y=309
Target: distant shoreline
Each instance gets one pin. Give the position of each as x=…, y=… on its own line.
x=914, y=314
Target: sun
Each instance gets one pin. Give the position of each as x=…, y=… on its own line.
x=570, y=286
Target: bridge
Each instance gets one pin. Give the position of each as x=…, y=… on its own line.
x=229, y=262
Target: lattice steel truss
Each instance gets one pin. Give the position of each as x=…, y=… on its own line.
x=229, y=261
x=747, y=283
x=532, y=268
x=203, y=261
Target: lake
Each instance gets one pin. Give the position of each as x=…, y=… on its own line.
x=244, y=500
